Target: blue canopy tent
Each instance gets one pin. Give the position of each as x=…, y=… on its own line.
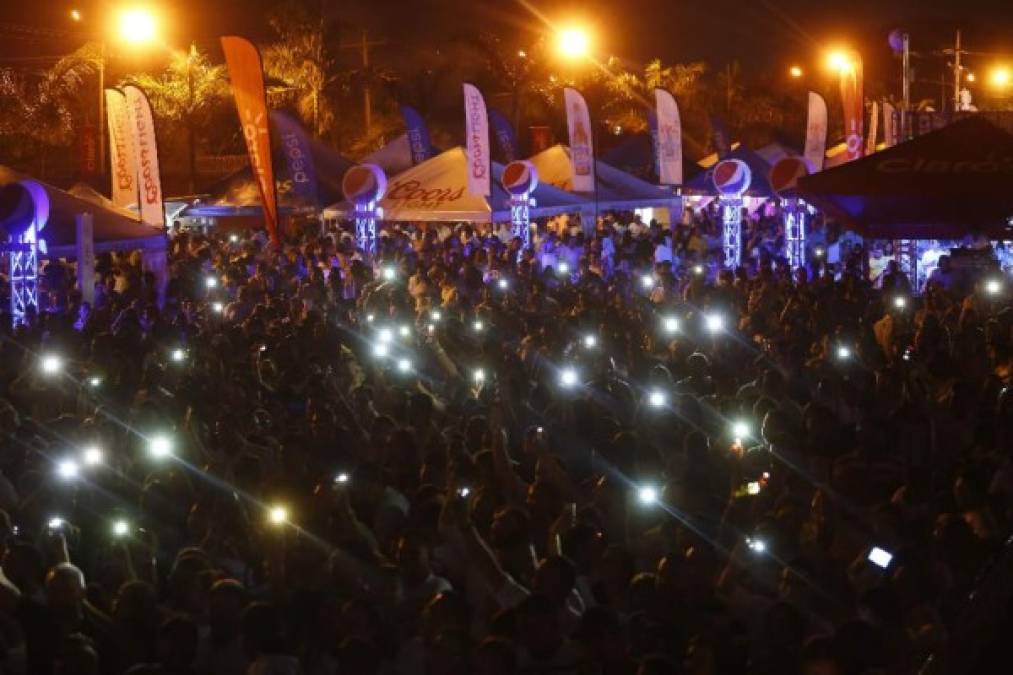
x=235, y=199
x=635, y=156
x=701, y=184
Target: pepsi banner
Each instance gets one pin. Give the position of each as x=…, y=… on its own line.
x=476, y=122
x=854, y=110
x=295, y=144
x=506, y=139
x=578, y=124
x=247, y=74
x=816, y=132
x=418, y=135
x=669, y=135
x=145, y=145
x=122, y=158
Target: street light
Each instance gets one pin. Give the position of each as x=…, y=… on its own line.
x=137, y=25
x=1001, y=77
x=840, y=60
x=574, y=42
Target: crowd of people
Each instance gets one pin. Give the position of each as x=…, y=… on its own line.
x=464, y=457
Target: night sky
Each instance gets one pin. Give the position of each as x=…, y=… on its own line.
x=765, y=35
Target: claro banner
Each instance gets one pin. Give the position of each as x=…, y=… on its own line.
x=247, y=75
x=854, y=110
x=122, y=157
x=476, y=121
x=145, y=144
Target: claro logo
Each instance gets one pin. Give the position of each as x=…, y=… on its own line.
x=988, y=165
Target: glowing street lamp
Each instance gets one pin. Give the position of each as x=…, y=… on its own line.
x=1001, y=77
x=574, y=42
x=138, y=25
x=840, y=60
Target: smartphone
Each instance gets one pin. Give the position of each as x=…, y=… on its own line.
x=753, y=487
x=880, y=557
x=463, y=492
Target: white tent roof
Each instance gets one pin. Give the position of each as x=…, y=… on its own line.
x=393, y=158
x=437, y=190
x=616, y=189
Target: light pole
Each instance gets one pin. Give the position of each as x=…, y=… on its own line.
x=136, y=26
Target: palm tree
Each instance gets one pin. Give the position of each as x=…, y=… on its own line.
x=185, y=93
x=303, y=67
x=44, y=108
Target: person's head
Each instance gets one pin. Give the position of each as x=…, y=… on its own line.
x=177, y=644
x=65, y=588
x=538, y=625
x=226, y=601
x=495, y=656
x=555, y=578
x=261, y=627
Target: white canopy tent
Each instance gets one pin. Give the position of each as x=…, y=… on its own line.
x=437, y=191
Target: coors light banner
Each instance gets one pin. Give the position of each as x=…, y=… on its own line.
x=578, y=123
x=122, y=157
x=816, y=133
x=247, y=75
x=854, y=110
x=145, y=145
x=669, y=138
x=476, y=121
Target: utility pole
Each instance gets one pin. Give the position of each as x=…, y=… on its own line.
x=367, y=104
x=905, y=116
x=956, y=73
x=363, y=46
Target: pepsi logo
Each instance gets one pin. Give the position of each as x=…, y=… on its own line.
x=364, y=184
x=731, y=177
x=785, y=173
x=519, y=178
